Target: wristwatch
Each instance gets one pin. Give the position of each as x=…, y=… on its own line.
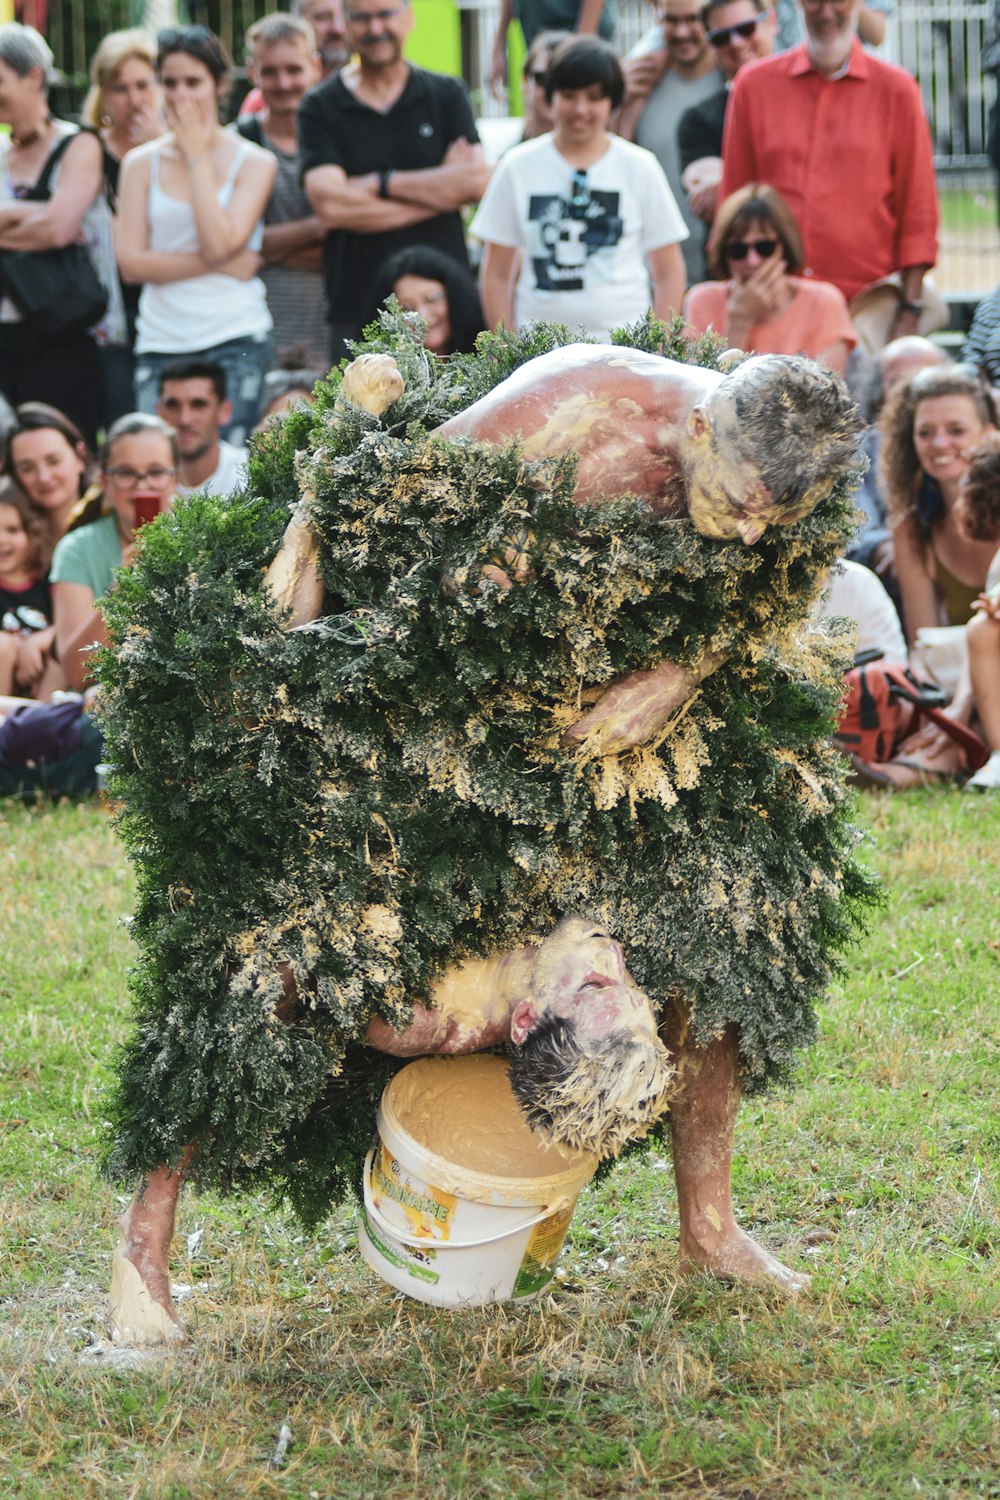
x=383, y=183
x=913, y=307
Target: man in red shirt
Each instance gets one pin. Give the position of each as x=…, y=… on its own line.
x=843, y=137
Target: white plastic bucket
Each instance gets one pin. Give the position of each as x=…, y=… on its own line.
x=464, y=1204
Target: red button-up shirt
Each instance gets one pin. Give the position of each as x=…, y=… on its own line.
x=850, y=155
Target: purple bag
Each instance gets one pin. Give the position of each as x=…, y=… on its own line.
x=39, y=733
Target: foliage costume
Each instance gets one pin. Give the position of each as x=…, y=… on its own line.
x=374, y=796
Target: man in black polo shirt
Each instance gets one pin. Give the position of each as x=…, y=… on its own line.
x=389, y=155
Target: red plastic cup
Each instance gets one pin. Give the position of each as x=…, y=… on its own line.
x=148, y=504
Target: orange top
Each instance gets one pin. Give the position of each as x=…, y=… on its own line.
x=815, y=318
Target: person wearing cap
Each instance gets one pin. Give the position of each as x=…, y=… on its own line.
x=843, y=137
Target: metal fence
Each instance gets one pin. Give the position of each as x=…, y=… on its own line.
x=941, y=44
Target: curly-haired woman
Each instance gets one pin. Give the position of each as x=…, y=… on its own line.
x=929, y=427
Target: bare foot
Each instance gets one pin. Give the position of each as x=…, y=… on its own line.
x=734, y=1256
x=141, y=1308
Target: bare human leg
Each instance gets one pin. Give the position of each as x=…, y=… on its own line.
x=141, y=1308
x=702, y=1119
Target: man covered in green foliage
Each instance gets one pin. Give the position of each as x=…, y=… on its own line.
x=327, y=819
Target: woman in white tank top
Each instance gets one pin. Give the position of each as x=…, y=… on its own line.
x=189, y=225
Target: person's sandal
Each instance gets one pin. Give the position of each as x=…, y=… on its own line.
x=987, y=778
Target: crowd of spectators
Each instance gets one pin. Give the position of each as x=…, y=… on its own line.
x=712, y=173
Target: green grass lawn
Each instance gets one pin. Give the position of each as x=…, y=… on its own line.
x=970, y=210
x=879, y=1173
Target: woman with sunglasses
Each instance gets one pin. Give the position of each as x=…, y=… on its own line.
x=138, y=472
x=190, y=227
x=760, y=303
x=578, y=226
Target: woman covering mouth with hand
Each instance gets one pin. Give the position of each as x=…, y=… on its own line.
x=759, y=302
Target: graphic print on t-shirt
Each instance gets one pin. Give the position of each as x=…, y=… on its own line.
x=566, y=232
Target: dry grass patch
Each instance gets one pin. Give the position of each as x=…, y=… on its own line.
x=878, y=1172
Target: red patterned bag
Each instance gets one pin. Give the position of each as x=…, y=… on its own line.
x=884, y=703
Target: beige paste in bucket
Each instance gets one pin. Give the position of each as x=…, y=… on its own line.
x=464, y=1204
x=468, y=1116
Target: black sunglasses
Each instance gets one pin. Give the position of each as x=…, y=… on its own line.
x=724, y=34
x=740, y=249
x=540, y=77
x=579, y=193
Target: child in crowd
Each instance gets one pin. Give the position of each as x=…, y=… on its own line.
x=27, y=633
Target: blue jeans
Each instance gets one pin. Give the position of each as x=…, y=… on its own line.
x=245, y=361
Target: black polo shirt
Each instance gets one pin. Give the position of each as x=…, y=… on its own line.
x=335, y=128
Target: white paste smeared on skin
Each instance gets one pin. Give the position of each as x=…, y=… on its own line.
x=135, y=1317
x=465, y=1112
x=478, y=992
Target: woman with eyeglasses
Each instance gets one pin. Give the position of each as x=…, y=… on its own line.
x=760, y=303
x=138, y=473
x=578, y=226
x=190, y=228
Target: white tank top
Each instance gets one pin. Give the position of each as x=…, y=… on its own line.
x=203, y=311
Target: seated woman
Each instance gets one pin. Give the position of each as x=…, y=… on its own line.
x=579, y=227
x=138, y=465
x=976, y=698
x=443, y=292
x=759, y=302
x=979, y=514
x=928, y=427
x=47, y=458
x=26, y=630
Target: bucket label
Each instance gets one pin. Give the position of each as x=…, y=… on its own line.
x=428, y=1210
x=542, y=1250
x=407, y=1260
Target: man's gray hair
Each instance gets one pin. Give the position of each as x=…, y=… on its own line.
x=593, y=1099
x=797, y=424
x=23, y=48
x=280, y=26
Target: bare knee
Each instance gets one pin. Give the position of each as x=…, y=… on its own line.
x=8, y=662
x=982, y=636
